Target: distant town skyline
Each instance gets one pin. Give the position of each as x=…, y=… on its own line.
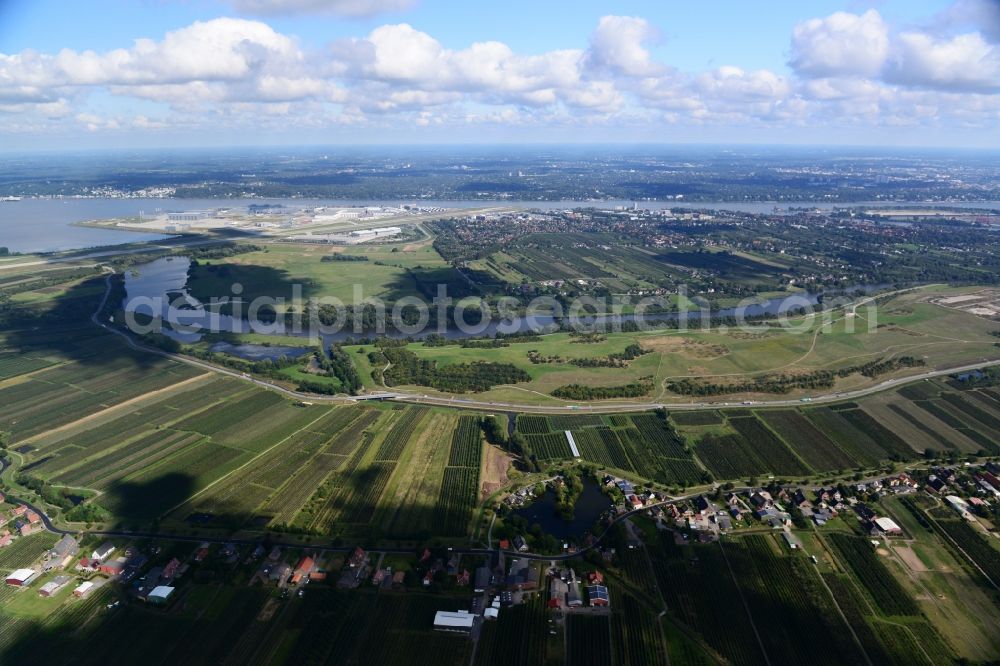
x=184, y=73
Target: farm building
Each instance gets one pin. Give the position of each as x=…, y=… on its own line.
x=160, y=594
x=459, y=621
x=522, y=576
x=960, y=506
x=793, y=541
x=53, y=586
x=597, y=595
x=888, y=526
x=65, y=547
x=21, y=577
x=103, y=551
x=83, y=589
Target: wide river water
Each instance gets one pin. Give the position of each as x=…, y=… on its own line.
x=45, y=225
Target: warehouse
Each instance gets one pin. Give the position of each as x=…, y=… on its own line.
x=21, y=577
x=459, y=621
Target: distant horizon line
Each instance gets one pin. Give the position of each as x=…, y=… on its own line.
x=645, y=146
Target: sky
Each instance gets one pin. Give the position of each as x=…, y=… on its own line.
x=177, y=73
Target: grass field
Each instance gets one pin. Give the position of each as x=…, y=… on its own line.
x=388, y=274
x=906, y=325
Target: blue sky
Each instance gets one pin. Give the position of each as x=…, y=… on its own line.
x=376, y=71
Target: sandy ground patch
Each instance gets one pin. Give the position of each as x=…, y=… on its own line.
x=673, y=344
x=267, y=612
x=907, y=555
x=496, y=462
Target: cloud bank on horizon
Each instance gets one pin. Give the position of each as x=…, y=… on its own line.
x=846, y=74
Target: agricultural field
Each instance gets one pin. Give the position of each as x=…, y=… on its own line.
x=623, y=442
x=459, y=495
x=466, y=444
x=408, y=506
x=811, y=445
x=519, y=636
x=588, y=640
x=65, y=393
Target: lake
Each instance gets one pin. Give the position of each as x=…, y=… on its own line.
x=588, y=508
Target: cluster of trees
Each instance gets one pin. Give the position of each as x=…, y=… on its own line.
x=772, y=383
x=876, y=368
x=782, y=383
x=59, y=497
x=339, y=365
x=344, y=257
x=4, y=251
x=568, y=492
x=493, y=428
x=617, y=360
x=405, y=367
x=221, y=251
x=580, y=392
x=588, y=338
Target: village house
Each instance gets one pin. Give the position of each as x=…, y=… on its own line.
x=103, y=552
x=358, y=558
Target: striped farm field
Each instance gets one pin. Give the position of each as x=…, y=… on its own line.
x=148, y=449
x=151, y=491
x=551, y=446
x=814, y=447
x=603, y=446
x=12, y=365
x=399, y=434
x=533, y=425
x=777, y=457
x=729, y=457
x=466, y=443
x=459, y=491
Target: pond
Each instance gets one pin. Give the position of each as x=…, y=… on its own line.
x=252, y=352
x=588, y=508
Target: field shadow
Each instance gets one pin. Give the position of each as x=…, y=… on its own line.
x=136, y=505
x=63, y=327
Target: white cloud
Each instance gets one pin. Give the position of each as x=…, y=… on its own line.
x=840, y=44
x=401, y=55
x=962, y=63
x=732, y=83
x=849, y=70
x=617, y=45
x=353, y=8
